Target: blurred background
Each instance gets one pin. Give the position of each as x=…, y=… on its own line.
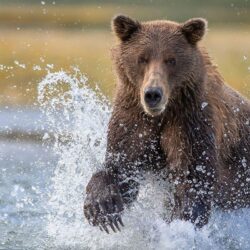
x=37, y=37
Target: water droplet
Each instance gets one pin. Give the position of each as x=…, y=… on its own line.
x=203, y=105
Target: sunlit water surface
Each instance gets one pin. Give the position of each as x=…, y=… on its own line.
x=42, y=187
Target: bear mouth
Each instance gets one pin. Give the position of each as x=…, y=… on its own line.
x=156, y=111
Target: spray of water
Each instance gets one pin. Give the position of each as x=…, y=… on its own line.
x=78, y=117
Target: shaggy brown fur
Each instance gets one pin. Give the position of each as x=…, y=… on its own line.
x=199, y=131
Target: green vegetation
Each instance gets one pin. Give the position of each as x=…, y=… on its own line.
x=79, y=34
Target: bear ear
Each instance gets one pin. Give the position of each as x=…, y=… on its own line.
x=124, y=27
x=194, y=29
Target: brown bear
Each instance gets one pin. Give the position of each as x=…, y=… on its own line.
x=172, y=111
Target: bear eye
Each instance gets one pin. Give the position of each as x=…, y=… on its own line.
x=170, y=61
x=143, y=60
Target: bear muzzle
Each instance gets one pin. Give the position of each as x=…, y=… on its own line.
x=153, y=97
x=153, y=101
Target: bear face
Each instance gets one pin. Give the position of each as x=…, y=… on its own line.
x=158, y=58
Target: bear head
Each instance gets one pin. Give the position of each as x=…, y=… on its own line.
x=158, y=58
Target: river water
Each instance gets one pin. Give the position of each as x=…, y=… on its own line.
x=47, y=155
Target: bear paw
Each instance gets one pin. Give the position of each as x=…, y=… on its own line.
x=102, y=207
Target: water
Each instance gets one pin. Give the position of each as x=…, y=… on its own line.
x=42, y=184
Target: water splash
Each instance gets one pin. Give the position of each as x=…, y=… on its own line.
x=78, y=117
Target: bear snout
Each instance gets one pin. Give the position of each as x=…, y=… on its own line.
x=153, y=96
x=153, y=100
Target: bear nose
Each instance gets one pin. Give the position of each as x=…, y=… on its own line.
x=153, y=96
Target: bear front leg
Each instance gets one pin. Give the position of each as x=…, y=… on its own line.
x=128, y=152
x=192, y=204
x=194, y=189
x=192, y=159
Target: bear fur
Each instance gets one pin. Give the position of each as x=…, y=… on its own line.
x=199, y=132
